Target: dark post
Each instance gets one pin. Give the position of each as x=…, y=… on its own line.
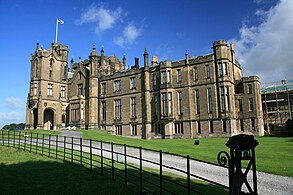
x=37, y=143
x=101, y=157
x=71, y=149
x=49, y=145
x=112, y=156
x=43, y=144
x=80, y=147
x=31, y=142
x=19, y=133
x=242, y=147
x=8, y=137
x=64, y=147
x=91, y=155
x=161, y=172
x=188, y=174
x=13, y=138
x=56, y=146
x=140, y=169
x=2, y=137
x=125, y=165
x=24, y=141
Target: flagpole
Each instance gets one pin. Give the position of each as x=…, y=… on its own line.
x=56, y=31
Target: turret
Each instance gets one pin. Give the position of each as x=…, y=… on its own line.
x=94, y=62
x=146, y=58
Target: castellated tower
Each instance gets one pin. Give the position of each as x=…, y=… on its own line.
x=47, y=99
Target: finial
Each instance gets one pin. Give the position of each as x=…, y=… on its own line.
x=79, y=59
x=94, y=47
x=186, y=53
x=145, y=51
x=38, y=44
x=72, y=60
x=102, y=50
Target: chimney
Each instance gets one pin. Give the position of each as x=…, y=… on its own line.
x=186, y=58
x=136, y=64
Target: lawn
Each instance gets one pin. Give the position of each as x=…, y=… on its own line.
x=273, y=154
x=27, y=173
x=33, y=173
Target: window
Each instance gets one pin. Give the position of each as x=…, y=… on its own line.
x=179, y=75
x=241, y=125
x=50, y=89
x=51, y=68
x=118, y=130
x=180, y=105
x=249, y=88
x=198, y=127
x=133, y=129
x=118, y=109
x=195, y=73
x=210, y=100
x=132, y=83
x=103, y=88
x=223, y=69
x=79, y=89
x=225, y=102
x=250, y=101
x=75, y=112
x=50, y=73
x=224, y=126
x=157, y=128
x=179, y=128
x=197, y=101
x=79, y=76
x=117, y=85
x=155, y=105
x=62, y=92
x=104, y=111
x=211, y=127
x=166, y=77
x=154, y=80
x=252, y=124
x=208, y=71
x=240, y=105
x=35, y=89
x=166, y=104
x=133, y=107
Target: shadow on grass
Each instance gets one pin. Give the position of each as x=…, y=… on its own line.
x=29, y=173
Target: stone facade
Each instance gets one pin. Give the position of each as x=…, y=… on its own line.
x=204, y=96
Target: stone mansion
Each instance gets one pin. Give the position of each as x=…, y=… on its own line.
x=203, y=96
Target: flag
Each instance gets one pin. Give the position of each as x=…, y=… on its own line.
x=60, y=21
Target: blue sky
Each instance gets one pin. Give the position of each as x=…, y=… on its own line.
x=261, y=30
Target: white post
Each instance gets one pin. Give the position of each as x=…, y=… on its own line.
x=56, y=31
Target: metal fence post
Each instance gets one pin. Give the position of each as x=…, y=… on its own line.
x=37, y=143
x=19, y=133
x=80, y=147
x=140, y=169
x=8, y=138
x=112, y=156
x=2, y=137
x=31, y=142
x=91, y=157
x=125, y=165
x=101, y=157
x=56, y=146
x=49, y=145
x=25, y=141
x=188, y=175
x=71, y=149
x=64, y=147
x=43, y=144
x=161, y=173
x=13, y=138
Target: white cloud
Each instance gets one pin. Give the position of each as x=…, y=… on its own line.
x=11, y=117
x=266, y=50
x=15, y=103
x=130, y=34
x=103, y=18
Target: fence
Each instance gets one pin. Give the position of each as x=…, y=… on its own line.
x=146, y=169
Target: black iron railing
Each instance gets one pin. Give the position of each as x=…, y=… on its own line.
x=117, y=160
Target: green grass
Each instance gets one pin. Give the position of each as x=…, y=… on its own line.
x=49, y=176
x=273, y=154
x=28, y=173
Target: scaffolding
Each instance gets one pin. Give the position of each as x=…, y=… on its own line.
x=277, y=101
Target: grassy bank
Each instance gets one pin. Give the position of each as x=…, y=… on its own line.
x=273, y=154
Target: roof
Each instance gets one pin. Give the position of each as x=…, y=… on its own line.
x=277, y=86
